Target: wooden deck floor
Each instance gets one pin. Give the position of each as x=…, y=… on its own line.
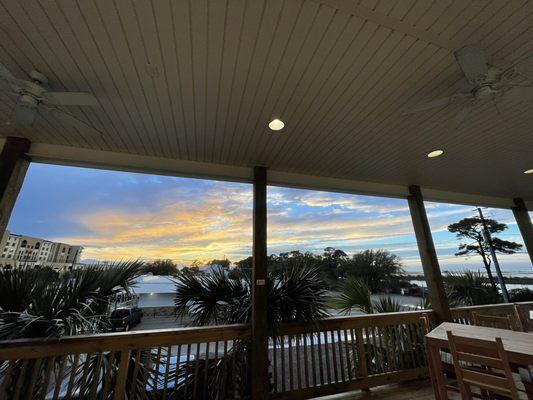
x=419, y=390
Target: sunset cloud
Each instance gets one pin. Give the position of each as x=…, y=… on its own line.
x=118, y=215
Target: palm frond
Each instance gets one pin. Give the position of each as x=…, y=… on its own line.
x=355, y=295
x=387, y=304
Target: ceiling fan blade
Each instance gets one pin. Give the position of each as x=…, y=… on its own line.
x=525, y=67
x=473, y=63
x=69, y=99
x=519, y=93
x=81, y=126
x=460, y=118
x=24, y=114
x=7, y=76
x=438, y=103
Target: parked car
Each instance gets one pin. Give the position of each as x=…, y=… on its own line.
x=125, y=318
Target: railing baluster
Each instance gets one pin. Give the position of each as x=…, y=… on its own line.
x=187, y=362
x=341, y=357
x=122, y=374
x=298, y=363
x=234, y=389
x=85, y=372
x=313, y=357
x=225, y=368
x=349, y=371
x=275, y=364
x=35, y=372
x=73, y=373
x=96, y=377
x=320, y=356
x=291, y=376
x=306, y=360
x=326, y=351
x=147, y=369
x=334, y=353
x=20, y=380
x=411, y=345
x=136, y=367
x=167, y=371
x=361, y=355
x=206, y=367
x=157, y=365
x=178, y=367
x=107, y=376
x=47, y=374
x=196, y=370
x=282, y=348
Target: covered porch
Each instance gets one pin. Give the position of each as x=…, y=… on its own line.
x=189, y=89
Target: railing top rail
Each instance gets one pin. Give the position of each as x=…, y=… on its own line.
x=354, y=322
x=42, y=347
x=492, y=306
x=35, y=348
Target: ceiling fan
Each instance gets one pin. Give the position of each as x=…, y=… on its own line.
x=34, y=97
x=487, y=82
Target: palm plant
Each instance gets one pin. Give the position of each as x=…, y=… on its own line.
x=33, y=304
x=355, y=294
x=470, y=288
x=44, y=303
x=387, y=304
x=295, y=294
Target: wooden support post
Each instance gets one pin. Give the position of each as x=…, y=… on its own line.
x=428, y=256
x=13, y=166
x=259, y=345
x=524, y=224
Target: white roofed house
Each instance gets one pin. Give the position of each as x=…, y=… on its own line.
x=155, y=291
x=418, y=100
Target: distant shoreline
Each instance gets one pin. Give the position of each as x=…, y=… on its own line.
x=522, y=280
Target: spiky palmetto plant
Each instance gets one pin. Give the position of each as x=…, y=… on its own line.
x=355, y=294
x=386, y=304
x=470, y=288
x=293, y=295
x=41, y=302
x=44, y=303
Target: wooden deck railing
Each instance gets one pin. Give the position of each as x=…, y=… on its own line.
x=188, y=363
x=347, y=353
x=337, y=355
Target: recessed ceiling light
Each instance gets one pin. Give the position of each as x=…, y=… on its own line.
x=276, y=124
x=528, y=171
x=435, y=153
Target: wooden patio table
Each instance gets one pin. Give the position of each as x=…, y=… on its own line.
x=518, y=345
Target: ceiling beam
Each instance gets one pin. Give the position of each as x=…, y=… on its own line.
x=349, y=7
x=63, y=155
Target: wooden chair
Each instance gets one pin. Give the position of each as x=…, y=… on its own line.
x=493, y=321
x=483, y=365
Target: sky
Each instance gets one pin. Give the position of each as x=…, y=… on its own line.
x=120, y=215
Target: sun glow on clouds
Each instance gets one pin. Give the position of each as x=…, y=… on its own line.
x=117, y=215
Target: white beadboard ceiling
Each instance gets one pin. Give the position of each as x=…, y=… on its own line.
x=199, y=80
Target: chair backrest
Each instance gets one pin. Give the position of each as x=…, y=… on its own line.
x=523, y=316
x=426, y=323
x=493, y=321
x=475, y=362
